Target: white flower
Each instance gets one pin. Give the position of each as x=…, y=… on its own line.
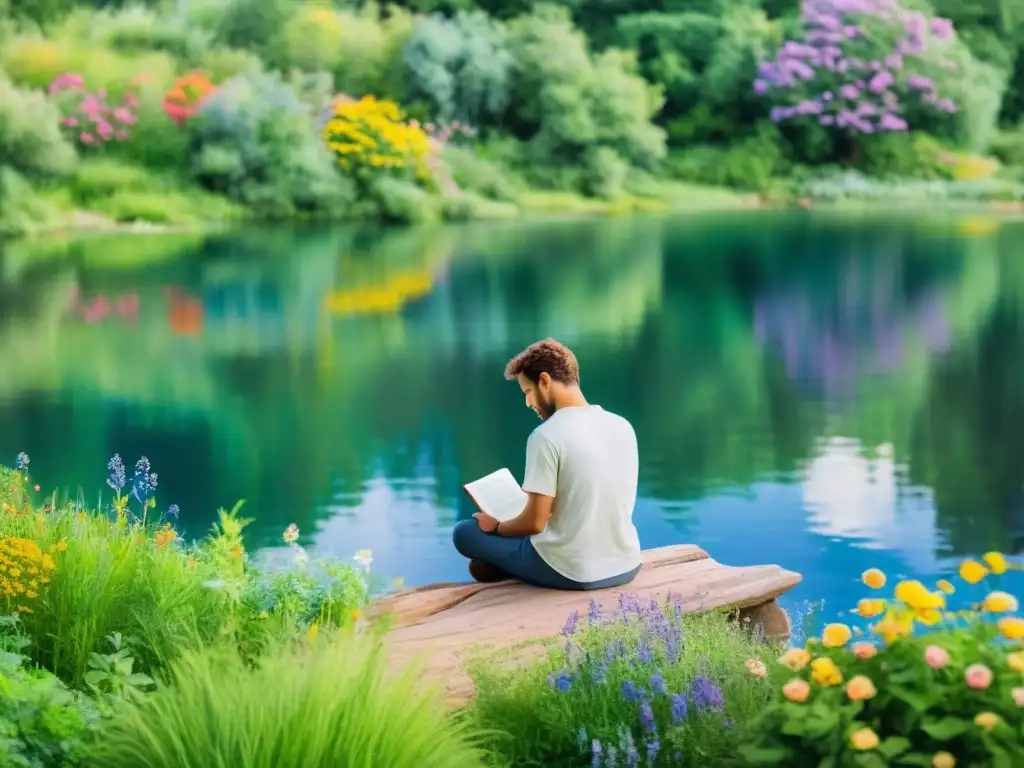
x=364, y=557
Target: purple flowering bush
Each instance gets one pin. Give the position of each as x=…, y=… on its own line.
x=644, y=685
x=864, y=67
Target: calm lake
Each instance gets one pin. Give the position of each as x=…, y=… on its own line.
x=824, y=393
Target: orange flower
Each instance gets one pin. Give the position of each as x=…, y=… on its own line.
x=873, y=578
x=796, y=690
x=795, y=658
x=860, y=688
x=864, y=650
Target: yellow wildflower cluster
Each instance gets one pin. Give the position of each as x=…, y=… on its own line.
x=24, y=571
x=372, y=133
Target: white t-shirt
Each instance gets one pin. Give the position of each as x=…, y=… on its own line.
x=587, y=459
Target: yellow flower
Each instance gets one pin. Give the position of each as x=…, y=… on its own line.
x=943, y=760
x=972, y=571
x=835, y=635
x=986, y=720
x=870, y=608
x=264, y=615
x=795, y=658
x=291, y=534
x=860, y=688
x=796, y=690
x=999, y=602
x=946, y=587
x=995, y=561
x=873, y=578
x=864, y=739
x=924, y=604
x=825, y=672
x=1016, y=661
x=356, y=614
x=62, y=546
x=893, y=627
x=1012, y=627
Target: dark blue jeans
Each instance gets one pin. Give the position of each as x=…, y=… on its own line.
x=516, y=557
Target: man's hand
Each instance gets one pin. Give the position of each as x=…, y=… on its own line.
x=486, y=522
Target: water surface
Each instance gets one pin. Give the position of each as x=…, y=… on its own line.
x=827, y=394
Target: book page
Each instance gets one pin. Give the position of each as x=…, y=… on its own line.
x=498, y=494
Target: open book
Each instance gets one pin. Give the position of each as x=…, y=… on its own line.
x=498, y=494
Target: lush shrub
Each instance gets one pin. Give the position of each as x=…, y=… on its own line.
x=855, y=186
x=254, y=141
x=1009, y=147
x=335, y=703
x=312, y=39
x=138, y=29
x=645, y=685
x=477, y=174
x=568, y=104
x=904, y=155
x=461, y=66
x=748, y=164
x=42, y=723
x=951, y=696
x=400, y=201
x=128, y=573
x=371, y=43
x=252, y=25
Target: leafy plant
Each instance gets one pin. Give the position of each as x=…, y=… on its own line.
x=113, y=673
x=329, y=701
x=952, y=696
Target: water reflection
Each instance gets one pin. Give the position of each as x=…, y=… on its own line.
x=825, y=394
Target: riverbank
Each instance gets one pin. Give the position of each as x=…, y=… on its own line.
x=127, y=645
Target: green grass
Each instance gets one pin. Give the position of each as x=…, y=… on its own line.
x=83, y=576
x=332, y=701
x=582, y=690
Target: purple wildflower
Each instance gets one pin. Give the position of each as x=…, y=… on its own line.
x=595, y=750
x=595, y=610
x=570, y=623
x=173, y=511
x=653, y=747
x=116, y=480
x=21, y=462
x=705, y=694
x=644, y=653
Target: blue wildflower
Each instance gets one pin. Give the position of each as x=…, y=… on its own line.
x=596, y=751
x=570, y=623
x=173, y=511
x=116, y=480
x=21, y=462
x=644, y=653
x=630, y=691
x=679, y=707
x=646, y=715
x=706, y=695
x=657, y=683
x=653, y=747
x=564, y=683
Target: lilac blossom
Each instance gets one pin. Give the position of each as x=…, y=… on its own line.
x=866, y=53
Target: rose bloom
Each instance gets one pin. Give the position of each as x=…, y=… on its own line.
x=978, y=677
x=864, y=650
x=936, y=656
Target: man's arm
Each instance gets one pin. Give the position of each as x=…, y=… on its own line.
x=532, y=519
x=540, y=483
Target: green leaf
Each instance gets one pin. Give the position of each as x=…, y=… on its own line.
x=919, y=701
x=139, y=679
x=95, y=677
x=9, y=661
x=870, y=760
x=894, y=746
x=915, y=758
x=756, y=755
x=946, y=729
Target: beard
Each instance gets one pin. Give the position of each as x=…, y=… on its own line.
x=545, y=408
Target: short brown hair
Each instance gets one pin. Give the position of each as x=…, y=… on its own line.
x=547, y=356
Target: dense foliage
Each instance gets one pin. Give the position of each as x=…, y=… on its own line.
x=778, y=97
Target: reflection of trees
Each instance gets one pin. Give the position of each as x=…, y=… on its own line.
x=966, y=438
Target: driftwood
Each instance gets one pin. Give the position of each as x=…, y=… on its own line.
x=440, y=622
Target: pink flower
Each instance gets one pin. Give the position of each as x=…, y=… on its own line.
x=104, y=129
x=978, y=677
x=936, y=657
x=86, y=138
x=131, y=101
x=124, y=115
